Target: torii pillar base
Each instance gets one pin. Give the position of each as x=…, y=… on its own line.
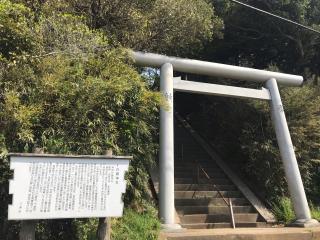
x=304, y=223
x=172, y=228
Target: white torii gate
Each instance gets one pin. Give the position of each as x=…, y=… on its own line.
x=271, y=93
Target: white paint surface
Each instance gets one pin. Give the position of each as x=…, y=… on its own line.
x=215, y=69
x=220, y=90
x=166, y=158
x=57, y=187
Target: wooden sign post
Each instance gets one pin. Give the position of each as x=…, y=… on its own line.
x=104, y=227
x=28, y=228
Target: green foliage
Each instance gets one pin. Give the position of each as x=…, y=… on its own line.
x=315, y=212
x=72, y=93
x=258, y=40
x=137, y=225
x=187, y=23
x=142, y=224
x=283, y=210
x=66, y=88
x=84, y=107
x=176, y=27
x=259, y=142
x=66, y=33
x=57, y=229
x=16, y=36
x=80, y=229
x=86, y=229
x=247, y=139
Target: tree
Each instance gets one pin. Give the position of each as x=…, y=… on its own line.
x=72, y=93
x=257, y=40
x=259, y=142
x=16, y=36
x=164, y=26
x=247, y=141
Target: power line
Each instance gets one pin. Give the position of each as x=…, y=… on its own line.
x=274, y=15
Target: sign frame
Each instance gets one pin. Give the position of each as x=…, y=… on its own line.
x=61, y=176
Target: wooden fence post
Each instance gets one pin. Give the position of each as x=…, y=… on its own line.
x=104, y=227
x=28, y=227
x=27, y=230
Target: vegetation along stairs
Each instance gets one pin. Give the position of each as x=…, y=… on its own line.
x=205, y=187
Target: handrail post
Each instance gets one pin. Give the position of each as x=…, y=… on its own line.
x=198, y=174
x=231, y=214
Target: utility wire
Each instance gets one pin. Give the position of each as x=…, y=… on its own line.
x=274, y=15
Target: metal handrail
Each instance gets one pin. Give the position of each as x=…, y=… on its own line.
x=228, y=203
x=208, y=177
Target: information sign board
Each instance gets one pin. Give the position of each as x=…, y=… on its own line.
x=57, y=186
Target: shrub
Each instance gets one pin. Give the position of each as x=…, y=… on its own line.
x=136, y=225
x=16, y=35
x=315, y=212
x=249, y=140
x=73, y=94
x=283, y=210
x=259, y=143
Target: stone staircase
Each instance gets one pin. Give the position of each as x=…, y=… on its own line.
x=197, y=200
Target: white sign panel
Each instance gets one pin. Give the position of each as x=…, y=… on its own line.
x=47, y=186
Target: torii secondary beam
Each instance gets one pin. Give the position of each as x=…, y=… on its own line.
x=220, y=90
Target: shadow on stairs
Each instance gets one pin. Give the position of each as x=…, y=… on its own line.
x=204, y=185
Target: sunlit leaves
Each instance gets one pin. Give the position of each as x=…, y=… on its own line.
x=16, y=36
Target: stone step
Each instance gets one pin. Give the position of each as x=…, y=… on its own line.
x=190, y=152
x=195, y=152
x=194, y=168
x=218, y=181
x=181, y=136
x=186, y=165
x=205, y=163
x=185, y=140
x=203, y=187
x=189, y=160
x=223, y=225
x=184, y=210
x=207, y=166
x=183, y=167
x=187, y=147
x=197, y=201
x=214, y=174
x=206, y=194
x=219, y=218
x=185, y=144
x=190, y=172
x=210, y=202
x=188, y=156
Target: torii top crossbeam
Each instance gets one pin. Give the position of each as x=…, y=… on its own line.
x=215, y=69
